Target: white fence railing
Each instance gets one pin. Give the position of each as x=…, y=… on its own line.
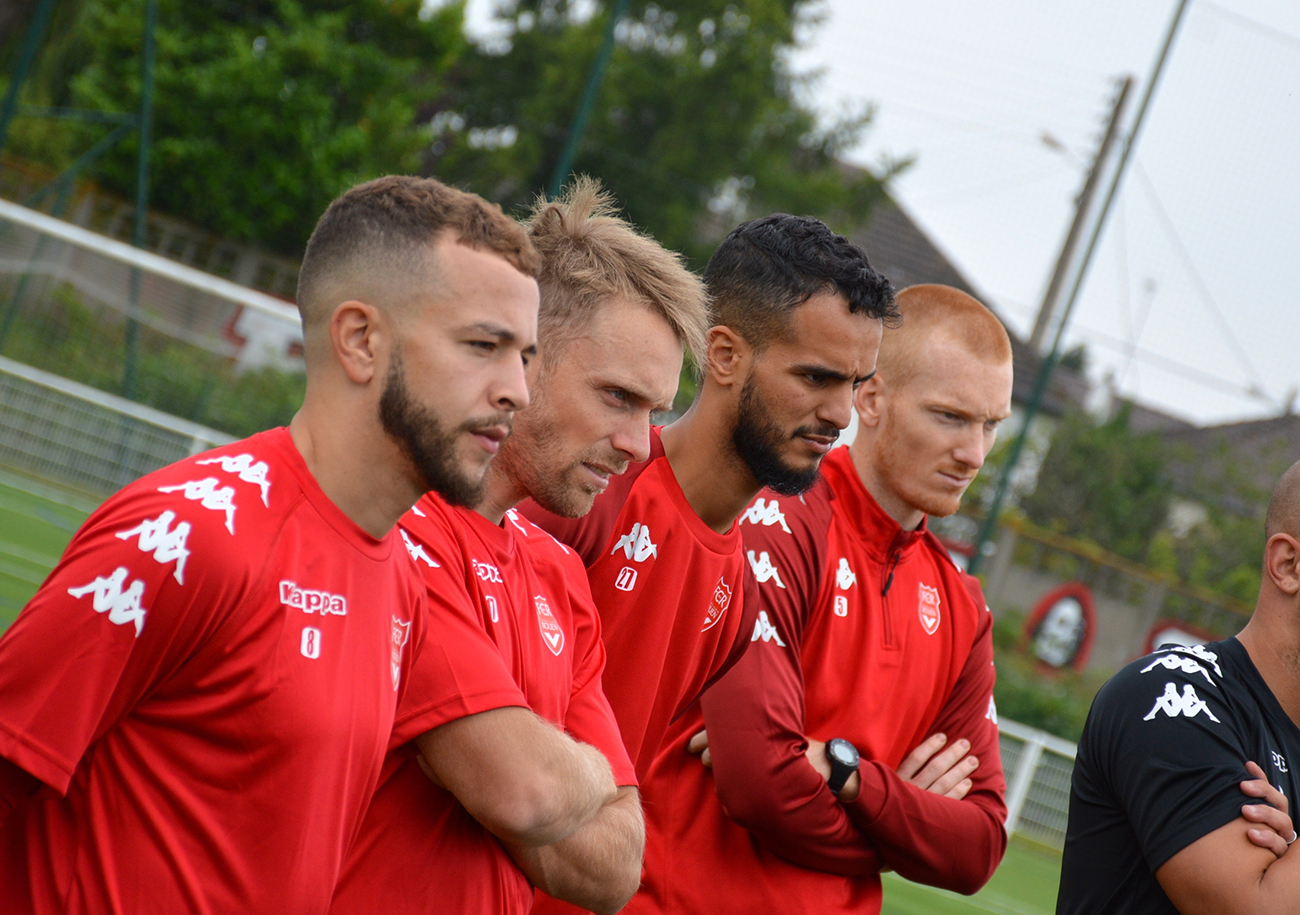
x=1038, y=768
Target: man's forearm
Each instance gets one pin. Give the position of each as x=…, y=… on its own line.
x=598, y=867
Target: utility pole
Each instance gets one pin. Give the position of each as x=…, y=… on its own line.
x=1048, y=309
x=1049, y=361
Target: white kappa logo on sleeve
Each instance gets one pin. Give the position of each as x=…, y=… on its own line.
x=766, y=514
x=764, y=630
x=209, y=493
x=845, y=577
x=248, y=469
x=636, y=544
x=121, y=605
x=417, y=550
x=1189, y=704
x=166, y=545
x=1174, y=662
x=764, y=570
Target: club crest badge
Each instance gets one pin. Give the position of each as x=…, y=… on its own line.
x=928, y=608
x=718, y=606
x=401, y=635
x=552, y=633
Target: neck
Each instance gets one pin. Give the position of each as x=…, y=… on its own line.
x=358, y=467
x=908, y=517
x=716, y=483
x=1273, y=648
x=500, y=494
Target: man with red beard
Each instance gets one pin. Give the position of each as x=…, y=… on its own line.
x=798, y=314
x=870, y=643
x=512, y=614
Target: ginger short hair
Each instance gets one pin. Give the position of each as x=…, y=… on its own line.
x=373, y=243
x=591, y=255
x=933, y=309
x=766, y=268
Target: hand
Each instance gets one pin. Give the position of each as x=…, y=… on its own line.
x=699, y=745
x=1276, y=830
x=944, y=773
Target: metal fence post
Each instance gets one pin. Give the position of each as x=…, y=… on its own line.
x=1020, y=783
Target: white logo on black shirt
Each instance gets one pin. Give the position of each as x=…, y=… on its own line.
x=766, y=514
x=845, y=577
x=247, y=469
x=1203, y=653
x=207, y=494
x=763, y=629
x=1189, y=704
x=1186, y=665
x=122, y=606
x=1279, y=762
x=636, y=544
x=166, y=545
x=417, y=550
x=764, y=571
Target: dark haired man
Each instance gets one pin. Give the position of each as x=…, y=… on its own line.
x=195, y=706
x=869, y=642
x=1157, y=823
x=798, y=314
x=513, y=614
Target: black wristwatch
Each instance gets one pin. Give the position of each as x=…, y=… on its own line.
x=844, y=759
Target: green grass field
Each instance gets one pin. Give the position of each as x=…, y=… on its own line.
x=1025, y=884
x=36, y=523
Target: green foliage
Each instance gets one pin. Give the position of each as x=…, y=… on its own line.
x=264, y=111
x=1101, y=482
x=1028, y=692
x=698, y=124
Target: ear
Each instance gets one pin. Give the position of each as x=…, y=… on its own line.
x=868, y=400
x=1282, y=563
x=358, y=337
x=727, y=355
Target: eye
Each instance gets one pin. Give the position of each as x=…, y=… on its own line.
x=618, y=395
x=483, y=346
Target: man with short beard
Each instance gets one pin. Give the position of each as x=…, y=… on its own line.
x=204, y=687
x=798, y=314
x=512, y=611
x=870, y=645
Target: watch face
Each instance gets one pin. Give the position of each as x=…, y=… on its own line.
x=842, y=752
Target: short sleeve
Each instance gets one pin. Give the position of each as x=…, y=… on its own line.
x=1163, y=741
x=458, y=670
x=141, y=584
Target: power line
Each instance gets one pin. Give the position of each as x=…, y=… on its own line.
x=1253, y=24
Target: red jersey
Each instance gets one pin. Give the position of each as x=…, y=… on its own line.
x=866, y=632
x=512, y=624
x=206, y=685
x=669, y=590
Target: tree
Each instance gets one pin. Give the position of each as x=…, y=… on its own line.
x=1103, y=483
x=698, y=125
x=264, y=109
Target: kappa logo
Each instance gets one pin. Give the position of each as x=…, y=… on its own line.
x=1185, y=664
x=209, y=493
x=764, y=630
x=992, y=713
x=122, y=606
x=766, y=514
x=417, y=550
x=309, y=601
x=486, y=572
x=166, y=545
x=401, y=635
x=626, y=580
x=552, y=633
x=513, y=517
x=1200, y=651
x=845, y=577
x=718, y=604
x=1189, y=704
x=248, y=469
x=636, y=544
x=764, y=570
x=927, y=608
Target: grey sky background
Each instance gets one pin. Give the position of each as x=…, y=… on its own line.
x=1190, y=304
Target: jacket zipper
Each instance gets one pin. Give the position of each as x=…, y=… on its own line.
x=885, y=613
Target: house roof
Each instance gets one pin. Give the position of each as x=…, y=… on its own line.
x=900, y=250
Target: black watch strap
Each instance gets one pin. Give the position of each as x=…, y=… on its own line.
x=844, y=761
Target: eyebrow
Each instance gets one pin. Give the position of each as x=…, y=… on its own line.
x=502, y=335
x=825, y=372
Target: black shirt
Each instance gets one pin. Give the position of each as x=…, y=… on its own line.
x=1160, y=765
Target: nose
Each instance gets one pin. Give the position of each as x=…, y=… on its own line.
x=837, y=408
x=510, y=392
x=632, y=437
x=971, y=448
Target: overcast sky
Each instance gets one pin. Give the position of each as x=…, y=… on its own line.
x=1190, y=302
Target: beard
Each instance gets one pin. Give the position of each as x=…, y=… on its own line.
x=897, y=469
x=758, y=441
x=430, y=448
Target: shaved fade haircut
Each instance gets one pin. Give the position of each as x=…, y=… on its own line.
x=1284, y=505
x=373, y=243
x=768, y=267
x=591, y=255
x=932, y=309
